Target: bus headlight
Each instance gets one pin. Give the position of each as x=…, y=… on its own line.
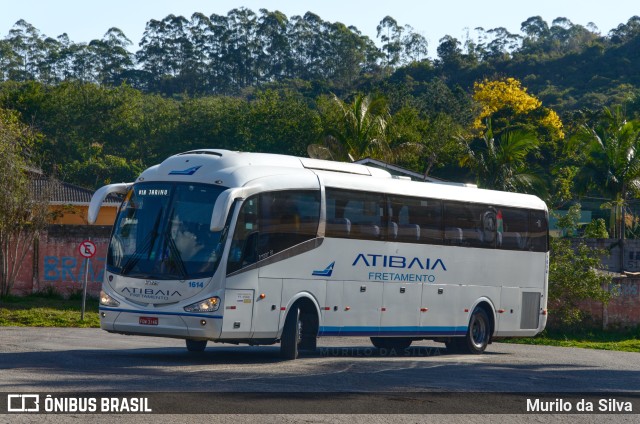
x=208, y=305
x=107, y=300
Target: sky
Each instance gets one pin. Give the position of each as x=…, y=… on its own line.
x=85, y=20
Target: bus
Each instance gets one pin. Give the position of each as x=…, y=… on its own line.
x=252, y=248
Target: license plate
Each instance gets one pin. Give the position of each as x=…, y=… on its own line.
x=148, y=321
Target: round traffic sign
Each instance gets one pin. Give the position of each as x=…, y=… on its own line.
x=87, y=249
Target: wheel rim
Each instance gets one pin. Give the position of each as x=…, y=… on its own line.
x=299, y=331
x=478, y=332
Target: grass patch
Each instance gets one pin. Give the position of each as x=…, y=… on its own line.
x=626, y=341
x=48, y=310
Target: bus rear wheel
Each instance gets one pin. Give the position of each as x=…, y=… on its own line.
x=478, y=335
x=395, y=343
x=196, y=345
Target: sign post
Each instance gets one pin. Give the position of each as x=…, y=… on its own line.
x=87, y=250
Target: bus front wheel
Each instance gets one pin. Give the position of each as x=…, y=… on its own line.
x=291, y=335
x=196, y=345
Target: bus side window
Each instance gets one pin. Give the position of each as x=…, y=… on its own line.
x=538, y=231
x=513, y=224
x=289, y=218
x=244, y=243
x=271, y=222
x=431, y=223
x=458, y=221
x=356, y=215
x=418, y=220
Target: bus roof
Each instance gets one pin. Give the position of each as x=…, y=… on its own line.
x=237, y=169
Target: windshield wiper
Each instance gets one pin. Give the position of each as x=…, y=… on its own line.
x=176, y=258
x=147, y=246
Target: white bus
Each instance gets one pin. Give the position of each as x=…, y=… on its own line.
x=231, y=247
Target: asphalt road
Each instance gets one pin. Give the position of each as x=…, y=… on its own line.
x=345, y=375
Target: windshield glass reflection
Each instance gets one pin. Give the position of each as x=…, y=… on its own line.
x=162, y=232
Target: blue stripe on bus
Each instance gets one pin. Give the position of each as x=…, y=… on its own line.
x=182, y=314
x=393, y=331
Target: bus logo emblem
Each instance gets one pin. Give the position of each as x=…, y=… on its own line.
x=325, y=272
x=188, y=171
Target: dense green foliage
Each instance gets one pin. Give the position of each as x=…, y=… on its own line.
x=271, y=83
x=550, y=110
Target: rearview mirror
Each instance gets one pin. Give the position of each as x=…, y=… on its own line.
x=222, y=206
x=99, y=196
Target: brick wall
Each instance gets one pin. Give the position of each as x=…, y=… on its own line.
x=623, y=310
x=55, y=260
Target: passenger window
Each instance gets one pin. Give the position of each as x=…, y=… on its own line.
x=513, y=229
x=269, y=223
x=418, y=220
x=538, y=231
x=458, y=222
x=472, y=225
x=357, y=215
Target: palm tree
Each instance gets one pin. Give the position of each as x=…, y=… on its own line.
x=501, y=163
x=356, y=130
x=612, y=164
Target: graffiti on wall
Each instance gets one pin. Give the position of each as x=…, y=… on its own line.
x=70, y=268
x=624, y=289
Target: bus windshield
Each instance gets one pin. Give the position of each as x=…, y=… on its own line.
x=162, y=232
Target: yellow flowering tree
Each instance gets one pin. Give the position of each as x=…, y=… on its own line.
x=506, y=108
x=508, y=105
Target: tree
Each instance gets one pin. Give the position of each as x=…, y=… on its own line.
x=23, y=213
x=508, y=104
x=359, y=127
x=415, y=46
x=574, y=278
x=450, y=54
x=274, y=60
x=281, y=123
x=612, y=161
x=112, y=57
x=422, y=142
x=574, y=275
x=28, y=51
x=625, y=32
x=500, y=162
x=390, y=34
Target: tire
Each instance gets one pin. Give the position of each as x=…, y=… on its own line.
x=395, y=343
x=291, y=335
x=478, y=334
x=379, y=342
x=454, y=345
x=309, y=332
x=196, y=345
